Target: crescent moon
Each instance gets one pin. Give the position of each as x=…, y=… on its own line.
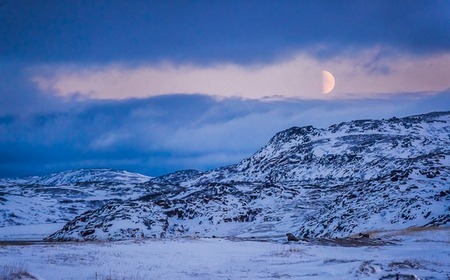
x=328, y=82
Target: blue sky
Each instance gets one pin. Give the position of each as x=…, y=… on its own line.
x=158, y=86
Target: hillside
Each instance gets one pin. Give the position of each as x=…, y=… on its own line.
x=61, y=196
x=357, y=176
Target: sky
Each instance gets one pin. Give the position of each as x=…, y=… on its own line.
x=159, y=86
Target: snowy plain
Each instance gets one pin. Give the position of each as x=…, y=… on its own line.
x=422, y=254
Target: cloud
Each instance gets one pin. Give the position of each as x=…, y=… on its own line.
x=366, y=72
x=166, y=133
x=240, y=32
x=18, y=94
x=156, y=87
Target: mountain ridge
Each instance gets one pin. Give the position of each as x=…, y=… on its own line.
x=352, y=177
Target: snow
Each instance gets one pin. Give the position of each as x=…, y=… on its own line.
x=28, y=232
x=35, y=200
x=424, y=254
x=92, y=175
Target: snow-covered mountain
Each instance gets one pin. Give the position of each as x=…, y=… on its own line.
x=357, y=176
x=61, y=196
x=83, y=176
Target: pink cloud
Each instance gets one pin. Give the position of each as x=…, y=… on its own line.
x=297, y=77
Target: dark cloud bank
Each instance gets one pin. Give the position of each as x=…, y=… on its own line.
x=167, y=133
x=209, y=31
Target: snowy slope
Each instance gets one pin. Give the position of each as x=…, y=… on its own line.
x=60, y=197
x=358, y=176
x=81, y=176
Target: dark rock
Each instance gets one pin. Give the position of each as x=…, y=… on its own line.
x=87, y=232
x=291, y=237
x=363, y=235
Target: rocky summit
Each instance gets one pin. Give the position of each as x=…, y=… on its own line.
x=350, y=178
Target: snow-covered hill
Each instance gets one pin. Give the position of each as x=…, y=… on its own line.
x=83, y=176
x=61, y=196
x=358, y=176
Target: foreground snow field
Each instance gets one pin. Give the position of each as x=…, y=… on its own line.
x=423, y=254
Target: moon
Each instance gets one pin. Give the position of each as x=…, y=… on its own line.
x=328, y=82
